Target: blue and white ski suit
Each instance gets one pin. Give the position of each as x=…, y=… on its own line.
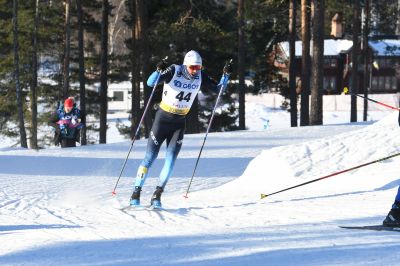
x=179, y=92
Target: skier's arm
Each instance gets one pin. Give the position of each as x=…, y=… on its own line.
x=165, y=76
x=53, y=120
x=208, y=84
x=76, y=120
x=399, y=118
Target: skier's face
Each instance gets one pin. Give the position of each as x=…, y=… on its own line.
x=192, y=70
x=68, y=109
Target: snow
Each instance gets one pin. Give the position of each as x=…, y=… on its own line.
x=331, y=47
x=386, y=47
x=56, y=206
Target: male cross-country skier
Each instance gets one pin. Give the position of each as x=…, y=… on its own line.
x=181, y=85
x=393, y=217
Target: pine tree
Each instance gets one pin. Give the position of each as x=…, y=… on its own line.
x=292, y=57
x=20, y=103
x=317, y=76
x=305, y=63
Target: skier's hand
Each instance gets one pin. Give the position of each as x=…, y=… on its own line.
x=228, y=67
x=75, y=121
x=162, y=65
x=62, y=126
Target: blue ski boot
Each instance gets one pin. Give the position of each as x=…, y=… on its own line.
x=135, y=198
x=393, y=217
x=156, y=198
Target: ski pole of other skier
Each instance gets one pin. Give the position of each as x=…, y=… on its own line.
x=327, y=176
x=226, y=76
x=137, y=130
x=346, y=91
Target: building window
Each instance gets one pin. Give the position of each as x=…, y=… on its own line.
x=374, y=86
x=394, y=83
x=118, y=96
x=388, y=81
x=330, y=62
x=384, y=83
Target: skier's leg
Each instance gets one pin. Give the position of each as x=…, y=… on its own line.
x=398, y=195
x=393, y=217
x=174, y=144
x=151, y=154
x=153, y=147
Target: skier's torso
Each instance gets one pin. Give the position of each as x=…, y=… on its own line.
x=179, y=93
x=71, y=120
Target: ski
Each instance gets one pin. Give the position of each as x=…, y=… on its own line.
x=131, y=208
x=155, y=208
x=378, y=227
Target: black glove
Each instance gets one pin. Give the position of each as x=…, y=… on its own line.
x=162, y=65
x=228, y=67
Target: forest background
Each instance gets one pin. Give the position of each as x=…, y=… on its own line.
x=50, y=50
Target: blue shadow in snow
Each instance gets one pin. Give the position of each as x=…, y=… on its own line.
x=75, y=166
x=7, y=228
x=269, y=246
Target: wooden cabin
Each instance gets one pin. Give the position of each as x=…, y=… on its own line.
x=384, y=69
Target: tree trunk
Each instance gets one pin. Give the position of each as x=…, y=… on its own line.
x=241, y=66
x=82, y=90
x=103, y=74
x=305, y=63
x=16, y=77
x=141, y=41
x=317, y=79
x=292, y=60
x=355, y=53
x=135, y=80
x=67, y=48
x=367, y=63
x=33, y=98
x=398, y=18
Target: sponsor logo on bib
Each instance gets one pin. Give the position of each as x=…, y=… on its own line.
x=179, y=84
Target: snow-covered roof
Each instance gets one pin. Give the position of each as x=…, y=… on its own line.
x=331, y=47
x=386, y=47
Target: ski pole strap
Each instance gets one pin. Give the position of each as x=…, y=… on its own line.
x=336, y=173
x=223, y=81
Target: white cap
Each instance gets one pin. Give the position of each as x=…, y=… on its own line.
x=192, y=58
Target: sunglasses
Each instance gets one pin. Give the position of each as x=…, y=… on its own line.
x=197, y=67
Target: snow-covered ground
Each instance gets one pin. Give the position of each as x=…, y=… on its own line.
x=56, y=206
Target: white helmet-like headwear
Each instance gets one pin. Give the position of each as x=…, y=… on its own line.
x=192, y=58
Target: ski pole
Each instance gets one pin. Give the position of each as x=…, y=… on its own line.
x=337, y=173
x=346, y=91
x=137, y=131
x=205, y=137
